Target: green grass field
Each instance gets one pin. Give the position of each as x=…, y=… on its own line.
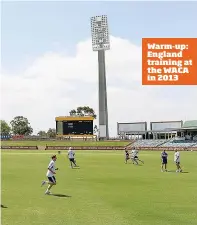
x=104, y=191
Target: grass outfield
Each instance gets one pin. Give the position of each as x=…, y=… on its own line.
x=104, y=191
x=64, y=143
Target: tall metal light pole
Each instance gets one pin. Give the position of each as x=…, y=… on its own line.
x=101, y=43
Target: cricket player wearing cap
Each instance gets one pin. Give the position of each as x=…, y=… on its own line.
x=50, y=175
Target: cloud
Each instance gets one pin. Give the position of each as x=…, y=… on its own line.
x=55, y=83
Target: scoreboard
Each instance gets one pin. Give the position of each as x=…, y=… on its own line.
x=78, y=127
x=74, y=126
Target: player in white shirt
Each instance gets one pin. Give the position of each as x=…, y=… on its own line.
x=177, y=161
x=71, y=156
x=134, y=156
x=50, y=175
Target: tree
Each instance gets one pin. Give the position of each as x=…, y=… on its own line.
x=5, y=128
x=83, y=111
x=21, y=126
x=73, y=112
x=42, y=133
x=51, y=133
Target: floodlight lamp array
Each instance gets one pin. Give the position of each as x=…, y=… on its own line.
x=100, y=33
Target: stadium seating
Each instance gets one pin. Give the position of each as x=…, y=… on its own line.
x=165, y=143
x=148, y=143
x=179, y=143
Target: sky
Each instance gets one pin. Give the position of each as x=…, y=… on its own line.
x=48, y=66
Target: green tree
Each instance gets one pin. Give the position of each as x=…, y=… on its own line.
x=83, y=111
x=51, y=133
x=42, y=133
x=73, y=112
x=21, y=126
x=5, y=128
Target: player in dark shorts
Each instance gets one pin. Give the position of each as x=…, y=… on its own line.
x=126, y=156
x=50, y=175
x=71, y=156
x=164, y=161
x=134, y=156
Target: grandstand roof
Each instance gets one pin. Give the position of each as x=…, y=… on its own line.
x=188, y=128
x=191, y=124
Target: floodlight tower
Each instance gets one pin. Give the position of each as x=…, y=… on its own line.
x=101, y=43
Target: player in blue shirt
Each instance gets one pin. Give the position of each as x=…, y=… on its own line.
x=164, y=161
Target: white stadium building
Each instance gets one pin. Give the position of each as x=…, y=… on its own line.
x=164, y=134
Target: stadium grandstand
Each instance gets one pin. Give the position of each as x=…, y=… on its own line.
x=188, y=130
x=166, y=134
x=186, y=136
